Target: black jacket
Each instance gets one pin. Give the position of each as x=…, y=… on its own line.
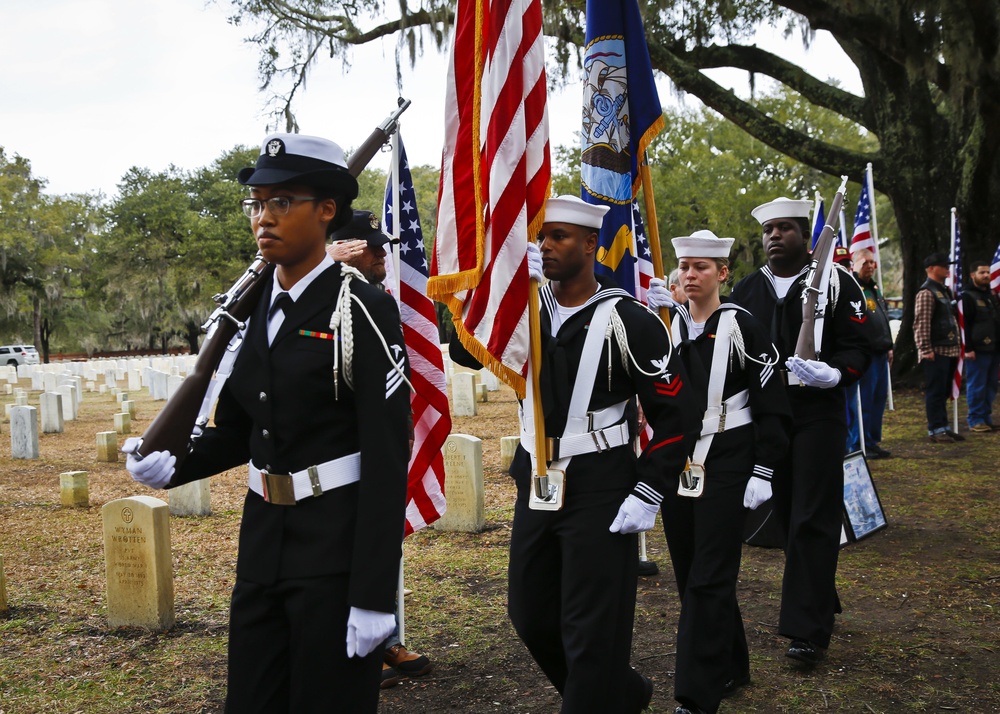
x=278, y=409
x=764, y=442
x=666, y=400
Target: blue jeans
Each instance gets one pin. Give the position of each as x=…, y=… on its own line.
x=938, y=375
x=981, y=386
x=874, y=386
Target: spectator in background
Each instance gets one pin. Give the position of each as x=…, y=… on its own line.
x=935, y=331
x=874, y=384
x=981, y=310
x=676, y=289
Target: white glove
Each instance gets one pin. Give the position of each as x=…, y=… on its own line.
x=658, y=296
x=154, y=470
x=758, y=491
x=367, y=629
x=814, y=373
x=634, y=515
x=534, y=262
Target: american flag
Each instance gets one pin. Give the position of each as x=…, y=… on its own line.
x=955, y=283
x=425, y=501
x=995, y=271
x=862, y=237
x=644, y=272
x=644, y=256
x=495, y=178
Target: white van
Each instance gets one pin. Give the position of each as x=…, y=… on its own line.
x=18, y=354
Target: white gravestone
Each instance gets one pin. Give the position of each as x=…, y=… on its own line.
x=74, y=490
x=52, y=412
x=463, y=485
x=107, y=446
x=508, y=445
x=490, y=380
x=123, y=423
x=463, y=394
x=140, y=580
x=191, y=499
x=69, y=401
x=24, y=432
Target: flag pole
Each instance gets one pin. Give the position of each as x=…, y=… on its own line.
x=397, y=220
x=878, y=267
x=534, y=373
x=954, y=290
x=396, y=232
x=652, y=229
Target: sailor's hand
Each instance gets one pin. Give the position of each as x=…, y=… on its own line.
x=758, y=491
x=634, y=515
x=154, y=470
x=814, y=373
x=658, y=296
x=367, y=629
x=534, y=262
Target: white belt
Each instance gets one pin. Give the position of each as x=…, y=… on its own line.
x=599, y=437
x=287, y=489
x=732, y=413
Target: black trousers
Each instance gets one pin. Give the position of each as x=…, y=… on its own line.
x=572, y=599
x=705, y=539
x=288, y=651
x=809, y=499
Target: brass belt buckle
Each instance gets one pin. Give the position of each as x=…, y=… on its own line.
x=279, y=489
x=551, y=448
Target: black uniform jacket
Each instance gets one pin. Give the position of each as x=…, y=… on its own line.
x=846, y=343
x=279, y=409
x=763, y=444
x=666, y=398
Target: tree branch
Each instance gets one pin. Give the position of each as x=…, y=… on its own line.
x=825, y=157
x=754, y=59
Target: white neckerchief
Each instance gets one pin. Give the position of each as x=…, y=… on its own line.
x=295, y=292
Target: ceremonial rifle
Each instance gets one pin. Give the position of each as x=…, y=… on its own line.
x=814, y=297
x=172, y=428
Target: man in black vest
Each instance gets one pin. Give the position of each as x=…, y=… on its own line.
x=317, y=405
x=935, y=331
x=809, y=483
x=981, y=308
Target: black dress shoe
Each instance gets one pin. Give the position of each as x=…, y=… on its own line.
x=954, y=435
x=877, y=452
x=734, y=685
x=806, y=652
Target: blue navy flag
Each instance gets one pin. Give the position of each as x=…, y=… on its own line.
x=621, y=115
x=819, y=220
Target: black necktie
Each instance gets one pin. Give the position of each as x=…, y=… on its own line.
x=283, y=302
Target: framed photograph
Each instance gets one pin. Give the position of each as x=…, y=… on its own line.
x=863, y=514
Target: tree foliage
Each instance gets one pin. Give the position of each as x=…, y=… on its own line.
x=930, y=71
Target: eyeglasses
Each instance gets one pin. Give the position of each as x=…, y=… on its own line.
x=277, y=205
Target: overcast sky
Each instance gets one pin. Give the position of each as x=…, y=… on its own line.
x=91, y=88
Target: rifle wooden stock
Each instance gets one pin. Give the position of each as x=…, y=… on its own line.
x=805, y=346
x=172, y=427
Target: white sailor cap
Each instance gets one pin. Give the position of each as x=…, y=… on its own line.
x=702, y=244
x=309, y=160
x=782, y=208
x=570, y=209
